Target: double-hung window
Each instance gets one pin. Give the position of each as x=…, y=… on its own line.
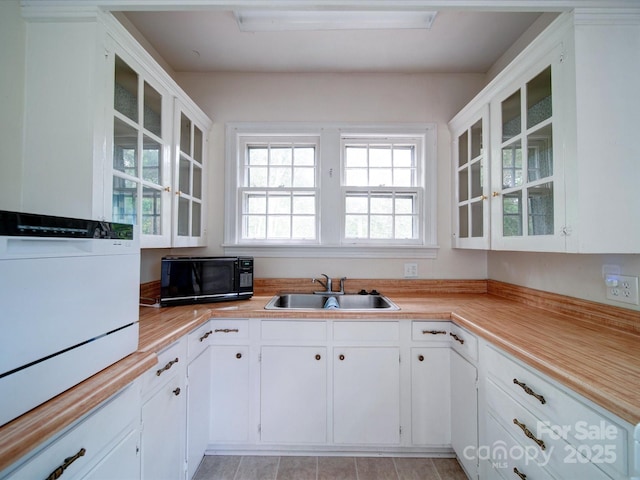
x=330, y=190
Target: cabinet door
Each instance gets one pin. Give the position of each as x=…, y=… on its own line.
x=527, y=181
x=471, y=184
x=163, y=431
x=464, y=412
x=123, y=462
x=293, y=391
x=229, y=394
x=140, y=166
x=189, y=179
x=198, y=409
x=430, y=396
x=366, y=395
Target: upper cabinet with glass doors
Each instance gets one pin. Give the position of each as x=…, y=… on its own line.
x=471, y=180
x=563, y=152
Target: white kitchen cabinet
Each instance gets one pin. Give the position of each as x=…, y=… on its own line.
x=293, y=394
x=163, y=415
x=555, y=112
x=471, y=179
x=99, y=116
x=198, y=397
x=230, y=394
x=366, y=395
x=102, y=445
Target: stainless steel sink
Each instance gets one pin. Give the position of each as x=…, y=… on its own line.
x=347, y=301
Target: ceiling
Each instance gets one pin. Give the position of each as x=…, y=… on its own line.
x=208, y=41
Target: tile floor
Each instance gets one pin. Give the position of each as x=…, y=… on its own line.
x=228, y=467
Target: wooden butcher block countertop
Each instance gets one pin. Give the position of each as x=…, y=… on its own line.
x=588, y=347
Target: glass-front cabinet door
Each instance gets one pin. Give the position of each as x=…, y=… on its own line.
x=526, y=188
x=189, y=178
x=471, y=183
x=140, y=155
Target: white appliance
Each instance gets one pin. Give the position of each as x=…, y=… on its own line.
x=68, y=304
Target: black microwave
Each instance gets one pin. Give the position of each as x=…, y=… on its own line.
x=186, y=280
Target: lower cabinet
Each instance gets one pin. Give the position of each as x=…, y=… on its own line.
x=198, y=409
x=293, y=394
x=464, y=413
x=366, y=395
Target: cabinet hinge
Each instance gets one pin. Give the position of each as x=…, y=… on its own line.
x=259, y=428
x=259, y=357
x=400, y=430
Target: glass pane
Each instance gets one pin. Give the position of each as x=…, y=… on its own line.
x=463, y=148
x=255, y=227
x=304, y=204
x=380, y=176
x=403, y=177
x=185, y=134
x=303, y=228
x=256, y=177
x=281, y=156
x=405, y=204
x=405, y=227
x=477, y=227
x=356, y=177
x=278, y=226
x=279, y=204
x=355, y=157
x=151, y=160
x=152, y=113
x=151, y=211
x=124, y=201
x=197, y=181
x=463, y=185
x=380, y=156
x=381, y=226
x=357, y=204
x=540, y=149
x=511, y=121
x=381, y=204
x=183, y=217
x=356, y=226
x=512, y=214
x=540, y=204
x=476, y=179
x=197, y=144
x=184, y=176
x=304, y=156
x=512, y=165
x=476, y=139
x=196, y=219
x=403, y=157
x=463, y=220
x=539, y=98
x=280, y=176
x=258, y=156
x=256, y=203
x=304, y=177
x=125, y=148
x=126, y=90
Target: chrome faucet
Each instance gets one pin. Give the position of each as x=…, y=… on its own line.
x=327, y=284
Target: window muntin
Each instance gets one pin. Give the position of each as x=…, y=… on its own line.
x=279, y=190
x=382, y=189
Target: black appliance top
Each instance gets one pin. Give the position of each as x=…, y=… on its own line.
x=18, y=224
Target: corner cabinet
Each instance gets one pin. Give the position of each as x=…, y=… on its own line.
x=103, y=135
x=559, y=173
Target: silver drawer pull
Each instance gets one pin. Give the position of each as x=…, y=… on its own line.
x=226, y=330
x=528, y=390
x=166, y=367
x=519, y=473
x=457, y=338
x=530, y=435
x=205, y=336
x=57, y=473
x=434, y=332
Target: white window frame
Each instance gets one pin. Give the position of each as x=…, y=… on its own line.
x=330, y=240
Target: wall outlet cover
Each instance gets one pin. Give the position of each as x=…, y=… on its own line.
x=626, y=290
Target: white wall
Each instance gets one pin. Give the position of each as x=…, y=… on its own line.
x=12, y=74
x=402, y=98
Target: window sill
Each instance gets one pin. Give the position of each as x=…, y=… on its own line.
x=341, y=251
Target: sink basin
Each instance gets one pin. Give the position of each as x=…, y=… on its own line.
x=310, y=301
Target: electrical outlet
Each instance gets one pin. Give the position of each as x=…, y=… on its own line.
x=410, y=270
x=625, y=291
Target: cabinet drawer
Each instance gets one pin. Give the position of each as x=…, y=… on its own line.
x=84, y=445
x=225, y=331
x=198, y=340
x=170, y=360
x=577, y=423
x=539, y=441
x=366, y=331
x=298, y=330
x=464, y=343
x=425, y=331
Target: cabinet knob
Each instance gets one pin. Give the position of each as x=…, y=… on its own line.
x=167, y=189
x=483, y=197
x=421, y=358
x=176, y=392
x=341, y=357
x=318, y=357
x=238, y=355
x=495, y=194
